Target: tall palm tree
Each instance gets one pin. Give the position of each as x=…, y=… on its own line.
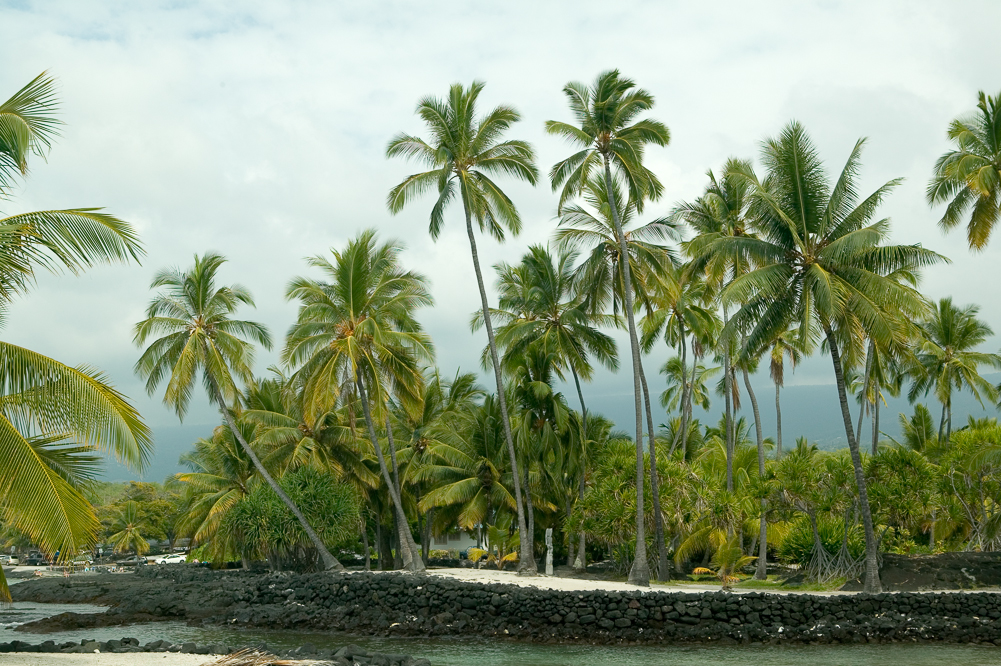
x=946, y=359
x=464, y=152
x=192, y=318
x=969, y=175
x=44, y=404
x=786, y=344
x=721, y=212
x=821, y=263
x=609, y=136
x=362, y=323
x=542, y=307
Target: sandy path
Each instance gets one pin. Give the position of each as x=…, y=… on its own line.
x=587, y=585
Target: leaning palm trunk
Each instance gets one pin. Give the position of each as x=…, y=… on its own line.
x=580, y=563
x=639, y=573
x=407, y=546
x=329, y=561
x=663, y=567
x=526, y=559
x=398, y=560
x=762, y=571
x=872, y=583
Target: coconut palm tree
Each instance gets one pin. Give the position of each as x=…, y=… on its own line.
x=194, y=320
x=946, y=359
x=721, y=212
x=470, y=478
x=47, y=405
x=464, y=154
x=969, y=175
x=542, y=308
x=443, y=417
x=221, y=474
x=361, y=322
x=127, y=528
x=820, y=262
x=290, y=438
x=610, y=137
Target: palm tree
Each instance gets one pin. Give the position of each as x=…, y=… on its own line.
x=686, y=384
x=290, y=437
x=969, y=176
x=786, y=344
x=542, y=307
x=464, y=153
x=193, y=318
x=946, y=359
x=610, y=136
x=361, y=323
x=469, y=476
x=221, y=474
x=46, y=404
x=820, y=263
x=721, y=212
x=127, y=528
x=442, y=418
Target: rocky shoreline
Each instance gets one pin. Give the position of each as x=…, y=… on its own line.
x=398, y=604
x=349, y=655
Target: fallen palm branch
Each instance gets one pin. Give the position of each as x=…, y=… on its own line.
x=250, y=658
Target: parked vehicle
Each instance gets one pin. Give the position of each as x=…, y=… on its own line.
x=175, y=558
x=133, y=561
x=36, y=559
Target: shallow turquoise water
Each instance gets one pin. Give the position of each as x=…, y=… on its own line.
x=485, y=652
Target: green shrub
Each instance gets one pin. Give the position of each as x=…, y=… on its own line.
x=261, y=526
x=797, y=546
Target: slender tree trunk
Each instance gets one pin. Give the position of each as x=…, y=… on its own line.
x=865, y=389
x=948, y=421
x=931, y=534
x=761, y=573
x=580, y=563
x=399, y=559
x=529, y=507
x=526, y=559
x=728, y=388
x=941, y=424
x=329, y=561
x=778, y=421
x=872, y=584
x=679, y=435
x=875, y=420
x=407, y=547
x=364, y=541
x=639, y=573
x=663, y=568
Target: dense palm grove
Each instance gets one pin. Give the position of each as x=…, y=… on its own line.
x=358, y=443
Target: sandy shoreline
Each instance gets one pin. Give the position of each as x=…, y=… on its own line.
x=104, y=659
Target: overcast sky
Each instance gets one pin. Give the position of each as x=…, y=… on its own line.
x=258, y=130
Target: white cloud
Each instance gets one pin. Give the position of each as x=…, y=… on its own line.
x=258, y=130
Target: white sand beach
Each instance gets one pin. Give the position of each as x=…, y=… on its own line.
x=105, y=659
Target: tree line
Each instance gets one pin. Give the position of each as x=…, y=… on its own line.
x=357, y=434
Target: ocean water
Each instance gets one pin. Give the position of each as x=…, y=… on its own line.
x=489, y=652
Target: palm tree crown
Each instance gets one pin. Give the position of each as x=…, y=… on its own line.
x=969, y=176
